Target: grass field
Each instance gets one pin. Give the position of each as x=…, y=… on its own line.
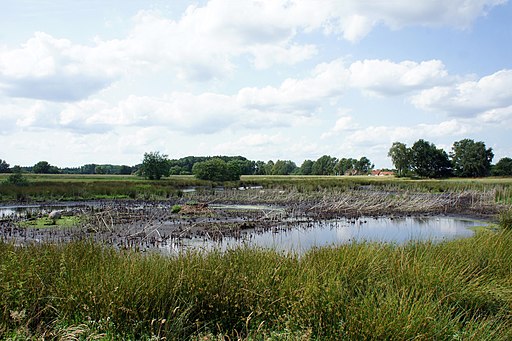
x=90, y=187
x=458, y=290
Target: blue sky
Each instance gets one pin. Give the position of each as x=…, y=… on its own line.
x=105, y=81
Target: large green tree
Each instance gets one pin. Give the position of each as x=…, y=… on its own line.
x=217, y=169
x=283, y=167
x=401, y=157
x=260, y=168
x=429, y=161
x=154, y=166
x=307, y=167
x=43, y=167
x=471, y=159
x=363, y=166
x=4, y=167
x=503, y=167
x=324, y=165
x=346, y=166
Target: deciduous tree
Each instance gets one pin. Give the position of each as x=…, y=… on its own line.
x=324, y=165
x=4, y=166
x=363, y=166
x=429, y=161
x=307, y=167
x=401, y=157
x=283, y=167
x=43, y=167
x=471, y=159
x=503, y=167
x=216, y=170
x=154, y=166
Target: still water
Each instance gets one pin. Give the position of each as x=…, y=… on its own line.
x=303, y=237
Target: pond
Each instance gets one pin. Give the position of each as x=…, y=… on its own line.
x=304, y=236
x=259, y=226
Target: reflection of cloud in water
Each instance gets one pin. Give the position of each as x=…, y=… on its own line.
x=342, y=231
x=345, y=234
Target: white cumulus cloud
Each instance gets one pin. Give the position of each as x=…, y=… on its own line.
x=469, y=98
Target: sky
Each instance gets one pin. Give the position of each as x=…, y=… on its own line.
x=106, y=81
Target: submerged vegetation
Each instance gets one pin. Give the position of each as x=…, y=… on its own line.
x=453, y=290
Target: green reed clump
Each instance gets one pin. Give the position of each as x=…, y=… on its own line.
x=505, y=219
x=455, y=290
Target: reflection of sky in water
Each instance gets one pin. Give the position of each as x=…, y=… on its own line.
x=342, y=231
x=334, y=232
x=7, y=211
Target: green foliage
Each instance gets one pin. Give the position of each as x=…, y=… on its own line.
x=47, y=222
x=458, y=290
x=16, y=178
x=324, y=165
x=346, y=166
x=184, y=165
x=217, y=170
x=283, y=167
x=429, y=161
x=175, y=209
x=4, y=167
x=307, y=167
x=471, y=159
x=154, y=166
x=363, y=166
x=43, y=167
x=90, y=187
x=350, y=166
x=401, y=157
x=503, y=167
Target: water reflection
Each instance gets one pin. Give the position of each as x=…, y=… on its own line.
x=303, y=237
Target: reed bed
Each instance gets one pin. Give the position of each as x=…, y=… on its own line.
x=84, y=187
x=362, y=200
x=458, y=290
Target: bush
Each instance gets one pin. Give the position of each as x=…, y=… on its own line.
x=176, y=209
x=17, y=178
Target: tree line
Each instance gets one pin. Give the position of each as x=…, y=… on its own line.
x=423, y=159
x=466, y=159
x=227, y=168
x=44, y=167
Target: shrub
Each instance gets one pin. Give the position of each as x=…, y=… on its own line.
x=17, y=178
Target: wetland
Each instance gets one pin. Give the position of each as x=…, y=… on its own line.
x=283, y=218
x=266, y=258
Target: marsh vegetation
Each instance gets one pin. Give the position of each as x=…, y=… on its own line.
x=91, y=280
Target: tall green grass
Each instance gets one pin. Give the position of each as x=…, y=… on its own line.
x=90, y=190
x=88, y=187
x=459, y=290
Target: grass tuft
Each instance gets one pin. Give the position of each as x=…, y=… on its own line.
x=505, y=219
